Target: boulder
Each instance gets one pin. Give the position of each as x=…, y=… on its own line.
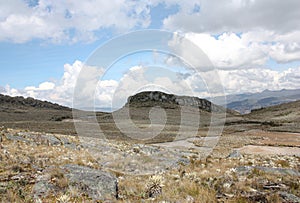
x=99, y=185
x=95, y=183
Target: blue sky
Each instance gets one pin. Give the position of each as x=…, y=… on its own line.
x=37, y=60
x=43, y=45
x=32, y=63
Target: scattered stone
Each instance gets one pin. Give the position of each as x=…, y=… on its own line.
x=189, y=199
x=257, y=197
x=289, y=197
x=227, y=185
x=66, y=142
x=281, y=171
x=275, y=186
x=42, y=188
x=234, y=154
x=229, y=195
x=98, y=184
x=16, y=138
x=51, y=139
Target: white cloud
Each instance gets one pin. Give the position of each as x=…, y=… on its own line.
x=256, y=80
x=231, y=51
x=43, y=86
x=105, y=92
x=113, y=93
x=62, y=92
x=72, y=21
x=267, y=29
x=233, y=81
x=216, y=17
x=286, y=47
x=11, y=91
x=69, y=20
x=249, y=49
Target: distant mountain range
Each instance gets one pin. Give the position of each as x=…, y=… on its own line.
x=246, y=102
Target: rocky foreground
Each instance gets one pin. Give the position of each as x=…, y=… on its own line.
x=40, y=167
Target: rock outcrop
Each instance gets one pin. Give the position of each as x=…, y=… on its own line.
x=97, y=184
x=152, y=98
x=28, y=102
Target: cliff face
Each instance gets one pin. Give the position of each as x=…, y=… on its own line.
x=152, y=98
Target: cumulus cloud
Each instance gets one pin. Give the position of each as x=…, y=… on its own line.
x=72, y=21
x=12, y=91
x=213, y=16
x=249, y=49
x=112, y=93
x=230, y=50
x=62, y=92
x=21, y=21
x=256, y=80
x=267, y=28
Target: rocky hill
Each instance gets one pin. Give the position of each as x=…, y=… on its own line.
x=33, y=114
x=8, y=102
x=283, y=117
x=152, y=98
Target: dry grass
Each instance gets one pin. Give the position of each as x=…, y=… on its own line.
x=200, y=181
x=283, y=163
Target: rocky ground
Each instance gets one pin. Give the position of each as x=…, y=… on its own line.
x=43, y=167
x=43, y=158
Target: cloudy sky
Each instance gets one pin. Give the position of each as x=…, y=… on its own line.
x=44, y=46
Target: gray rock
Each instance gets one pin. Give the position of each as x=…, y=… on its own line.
x=67, y=143
x=51, y=139
x=98, y=184
x=289, y=197
x=234, y=154
x=281, y=171
x=147, y=149
x=182, y=161
x=17, y=138
x=42, y=187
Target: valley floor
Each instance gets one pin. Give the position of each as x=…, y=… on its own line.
x=247, y=166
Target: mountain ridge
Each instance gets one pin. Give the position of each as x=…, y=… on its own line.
x=246, y=102
x=29, y=102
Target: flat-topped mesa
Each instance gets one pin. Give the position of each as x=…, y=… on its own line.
x=157, y=98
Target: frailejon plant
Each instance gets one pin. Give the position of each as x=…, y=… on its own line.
x=154, y=186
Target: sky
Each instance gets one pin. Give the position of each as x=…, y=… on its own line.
x=45, y=46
